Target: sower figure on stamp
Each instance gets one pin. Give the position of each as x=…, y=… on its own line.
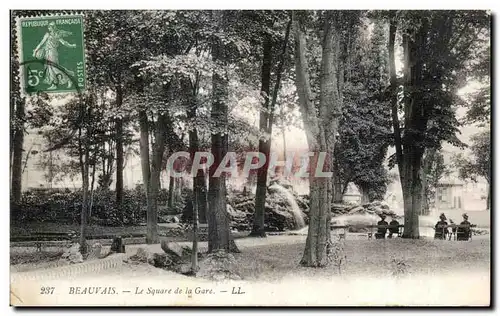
x=441, y=228
x=47, y=50
x=463, y=231
x=381, y=230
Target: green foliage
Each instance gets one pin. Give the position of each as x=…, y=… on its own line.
x=449, y=52
x=64, y=206
x=364, y=131
x=479, y=164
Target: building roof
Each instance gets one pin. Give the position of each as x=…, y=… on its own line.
x=451, y=181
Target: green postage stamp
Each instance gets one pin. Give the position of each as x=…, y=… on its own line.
x=52, y=53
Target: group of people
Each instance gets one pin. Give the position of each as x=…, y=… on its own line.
x=382, y=231
x=462, y=231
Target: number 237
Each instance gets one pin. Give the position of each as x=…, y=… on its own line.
x=47, y=290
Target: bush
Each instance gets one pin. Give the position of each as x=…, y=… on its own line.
x=64, y=206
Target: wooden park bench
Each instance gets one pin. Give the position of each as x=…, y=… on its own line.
x=42, y=238
x=454, y=228
x=388, y=227
x=345, y=228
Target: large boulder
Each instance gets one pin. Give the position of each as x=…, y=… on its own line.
x=277, y=215
x=166, y=261
x=72, y=254
x=172, y=248
x=141, y=256
x=95, y=251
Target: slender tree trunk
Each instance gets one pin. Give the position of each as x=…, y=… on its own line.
x=146, y=173
x=365, y=197
x=201, y=193
x=266, y=126
x=17, y=154
x=119, y=153
x=394, y=97
x=83, y=150
x=488, y=199
x=199, y=188
x=338, y=190
x=171, y=192
x=283, y=135
x=159, y=149
x=194, y=258
x=320, y=131
x=408, y=157
x=264, y=143
x=218, y=219
x=429, y=158
x=84, y=212
x=416, y=125
x=92, y=183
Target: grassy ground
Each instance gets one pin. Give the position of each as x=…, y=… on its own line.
x=34, y=257
x=278, y=256
x=368, y=257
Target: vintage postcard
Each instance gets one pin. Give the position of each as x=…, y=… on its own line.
x=250, y=158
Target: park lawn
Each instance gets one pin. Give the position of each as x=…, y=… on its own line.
x=368, y=257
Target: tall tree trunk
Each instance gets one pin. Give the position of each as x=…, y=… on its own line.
x=338, y=190
x=266, y=125
x=283, y=135
x=264, y=143
x=429, y=158
x=83, y=151
x=17, y=153
x=407, y=159
x=154, y=185
x=146, y=173
x=415, y=126
x=84, y=212
x=194, y=258
x=171, y=192
x=199, y=188
x=394, y=96
x=119, y=153
x=365, y=197
x=217, y=217
x=320, y=131
x=198, y=181
x=488, y=199
x=92, y=183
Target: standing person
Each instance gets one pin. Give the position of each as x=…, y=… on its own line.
x=394, y=228
x=463, y=231
x=441, y=228
x=381, y=230
x=453, y=229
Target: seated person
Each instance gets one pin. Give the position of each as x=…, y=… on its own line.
x=441, y=229
x=394, y=229
x=381, y=231
x=463, y=232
